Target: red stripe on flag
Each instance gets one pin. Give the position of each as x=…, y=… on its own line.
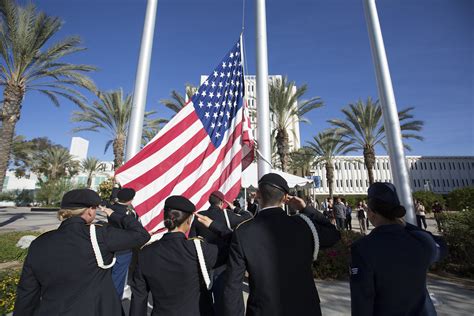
x=160, y=142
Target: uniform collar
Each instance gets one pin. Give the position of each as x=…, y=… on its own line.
x=173, y=235
x=272, y=210
x=389, y=228
x=72, y=220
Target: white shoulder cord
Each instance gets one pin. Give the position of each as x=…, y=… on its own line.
x=315, y=235
x=227, y=219
x=95, y=247
x=202, y=264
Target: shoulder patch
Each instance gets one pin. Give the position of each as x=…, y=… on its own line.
x=247, y=220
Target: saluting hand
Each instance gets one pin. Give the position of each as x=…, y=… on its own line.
x=296, y=202
x=105, y=210
x=206, y=221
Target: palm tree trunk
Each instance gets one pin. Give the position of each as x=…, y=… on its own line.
x=369, y=160
x=330, y=177
x=282, y=140
x=119, y=144
x=89, y=180
x=10, y=114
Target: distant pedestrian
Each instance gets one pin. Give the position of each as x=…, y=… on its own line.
x=340, y=214
x=348, y=216
x=420, y=215
x=388, y=268
x=437, y=211
x=366, y=209
x=361, y=217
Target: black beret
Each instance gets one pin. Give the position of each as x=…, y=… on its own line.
x=385, y=192
x=180, y=203
x=275, y=180
x=126, y=194
x=80, y=198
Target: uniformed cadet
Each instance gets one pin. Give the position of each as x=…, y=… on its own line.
x=176, y=269
x=225, y=217
x=123, y=205
x=277, y=250
x=67, y=270
x=388, y=268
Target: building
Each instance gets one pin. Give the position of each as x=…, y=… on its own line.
x=79, y=148
x=251, y=99
x=439, y=174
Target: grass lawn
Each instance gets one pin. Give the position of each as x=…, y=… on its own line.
x=8, y=249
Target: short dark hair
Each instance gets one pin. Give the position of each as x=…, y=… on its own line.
x=270, y=194
x=174, y=218
x=214, y=200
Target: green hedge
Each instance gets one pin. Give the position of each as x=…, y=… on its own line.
x=8, y=283
x=460, y=199
x=428, y=198
x=458, y=230
x=333, y=263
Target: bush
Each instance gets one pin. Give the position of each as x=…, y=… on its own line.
x=8, y=196
x=51, y=192
x=333, y=263
x=353, y=200
x=458, y=230
x=8, y=285
x=428, y=198
x=105, y=189
x=8, y=249
x=461, y=199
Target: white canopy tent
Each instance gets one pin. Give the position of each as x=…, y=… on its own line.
x=250, y=178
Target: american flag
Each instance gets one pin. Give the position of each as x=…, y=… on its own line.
x=203, y=148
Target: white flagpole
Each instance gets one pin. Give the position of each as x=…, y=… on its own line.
x=398, y=165
x=263, y=109
x=141, y=82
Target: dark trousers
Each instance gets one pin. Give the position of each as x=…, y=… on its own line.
x=217, y=290
x=119, y=272
x=421, y=219
x=340, y=223
x=348, y=222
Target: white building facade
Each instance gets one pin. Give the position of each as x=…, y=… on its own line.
x=439, y=174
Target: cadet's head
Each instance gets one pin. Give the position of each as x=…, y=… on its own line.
x=79, y=203
x=178, y=213
x=384, y=203
x=217, y=199
x=126, y=195
x=272, y=190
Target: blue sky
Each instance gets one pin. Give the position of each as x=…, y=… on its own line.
x=324, y=44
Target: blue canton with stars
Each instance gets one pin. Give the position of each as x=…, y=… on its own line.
x=220, y=97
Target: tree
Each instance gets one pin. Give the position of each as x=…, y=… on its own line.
x=91, y=166
x=301, y=160
x=111, y=113
x=25, y=153
x=26, y=64
x=362, y=128
x=286, y=107
x=56, y=163
x=177, y=101
x=325, y=146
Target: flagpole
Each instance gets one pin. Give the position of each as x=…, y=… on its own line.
x=263, y=109
x=141, y=82
x=398, y=165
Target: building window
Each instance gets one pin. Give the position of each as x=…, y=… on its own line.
x=431, y=166
x=444, y=165
x=347, y=183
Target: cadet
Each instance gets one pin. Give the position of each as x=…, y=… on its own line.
x=67, y=270
x=277, y=250
x=123, y=205
x=225, y=217
x=388, y=269
x=174, y=269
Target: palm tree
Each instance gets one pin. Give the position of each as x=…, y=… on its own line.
x=91, y=166
x=177, y=101
x=363, y=128
x=301, y=160
x=111, y=113
x=325, y=146
x=56, y=162
x=286, y=107
x=26, y=64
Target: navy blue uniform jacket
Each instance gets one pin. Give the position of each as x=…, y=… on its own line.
x=388, y=272
x=61, y=277
x=277, y=251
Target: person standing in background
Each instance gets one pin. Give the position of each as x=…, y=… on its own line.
x=348, y=216
x=340, y=214
x=361, y=216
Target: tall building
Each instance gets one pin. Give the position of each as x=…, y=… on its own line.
x=79, y=148
x=251, y=99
